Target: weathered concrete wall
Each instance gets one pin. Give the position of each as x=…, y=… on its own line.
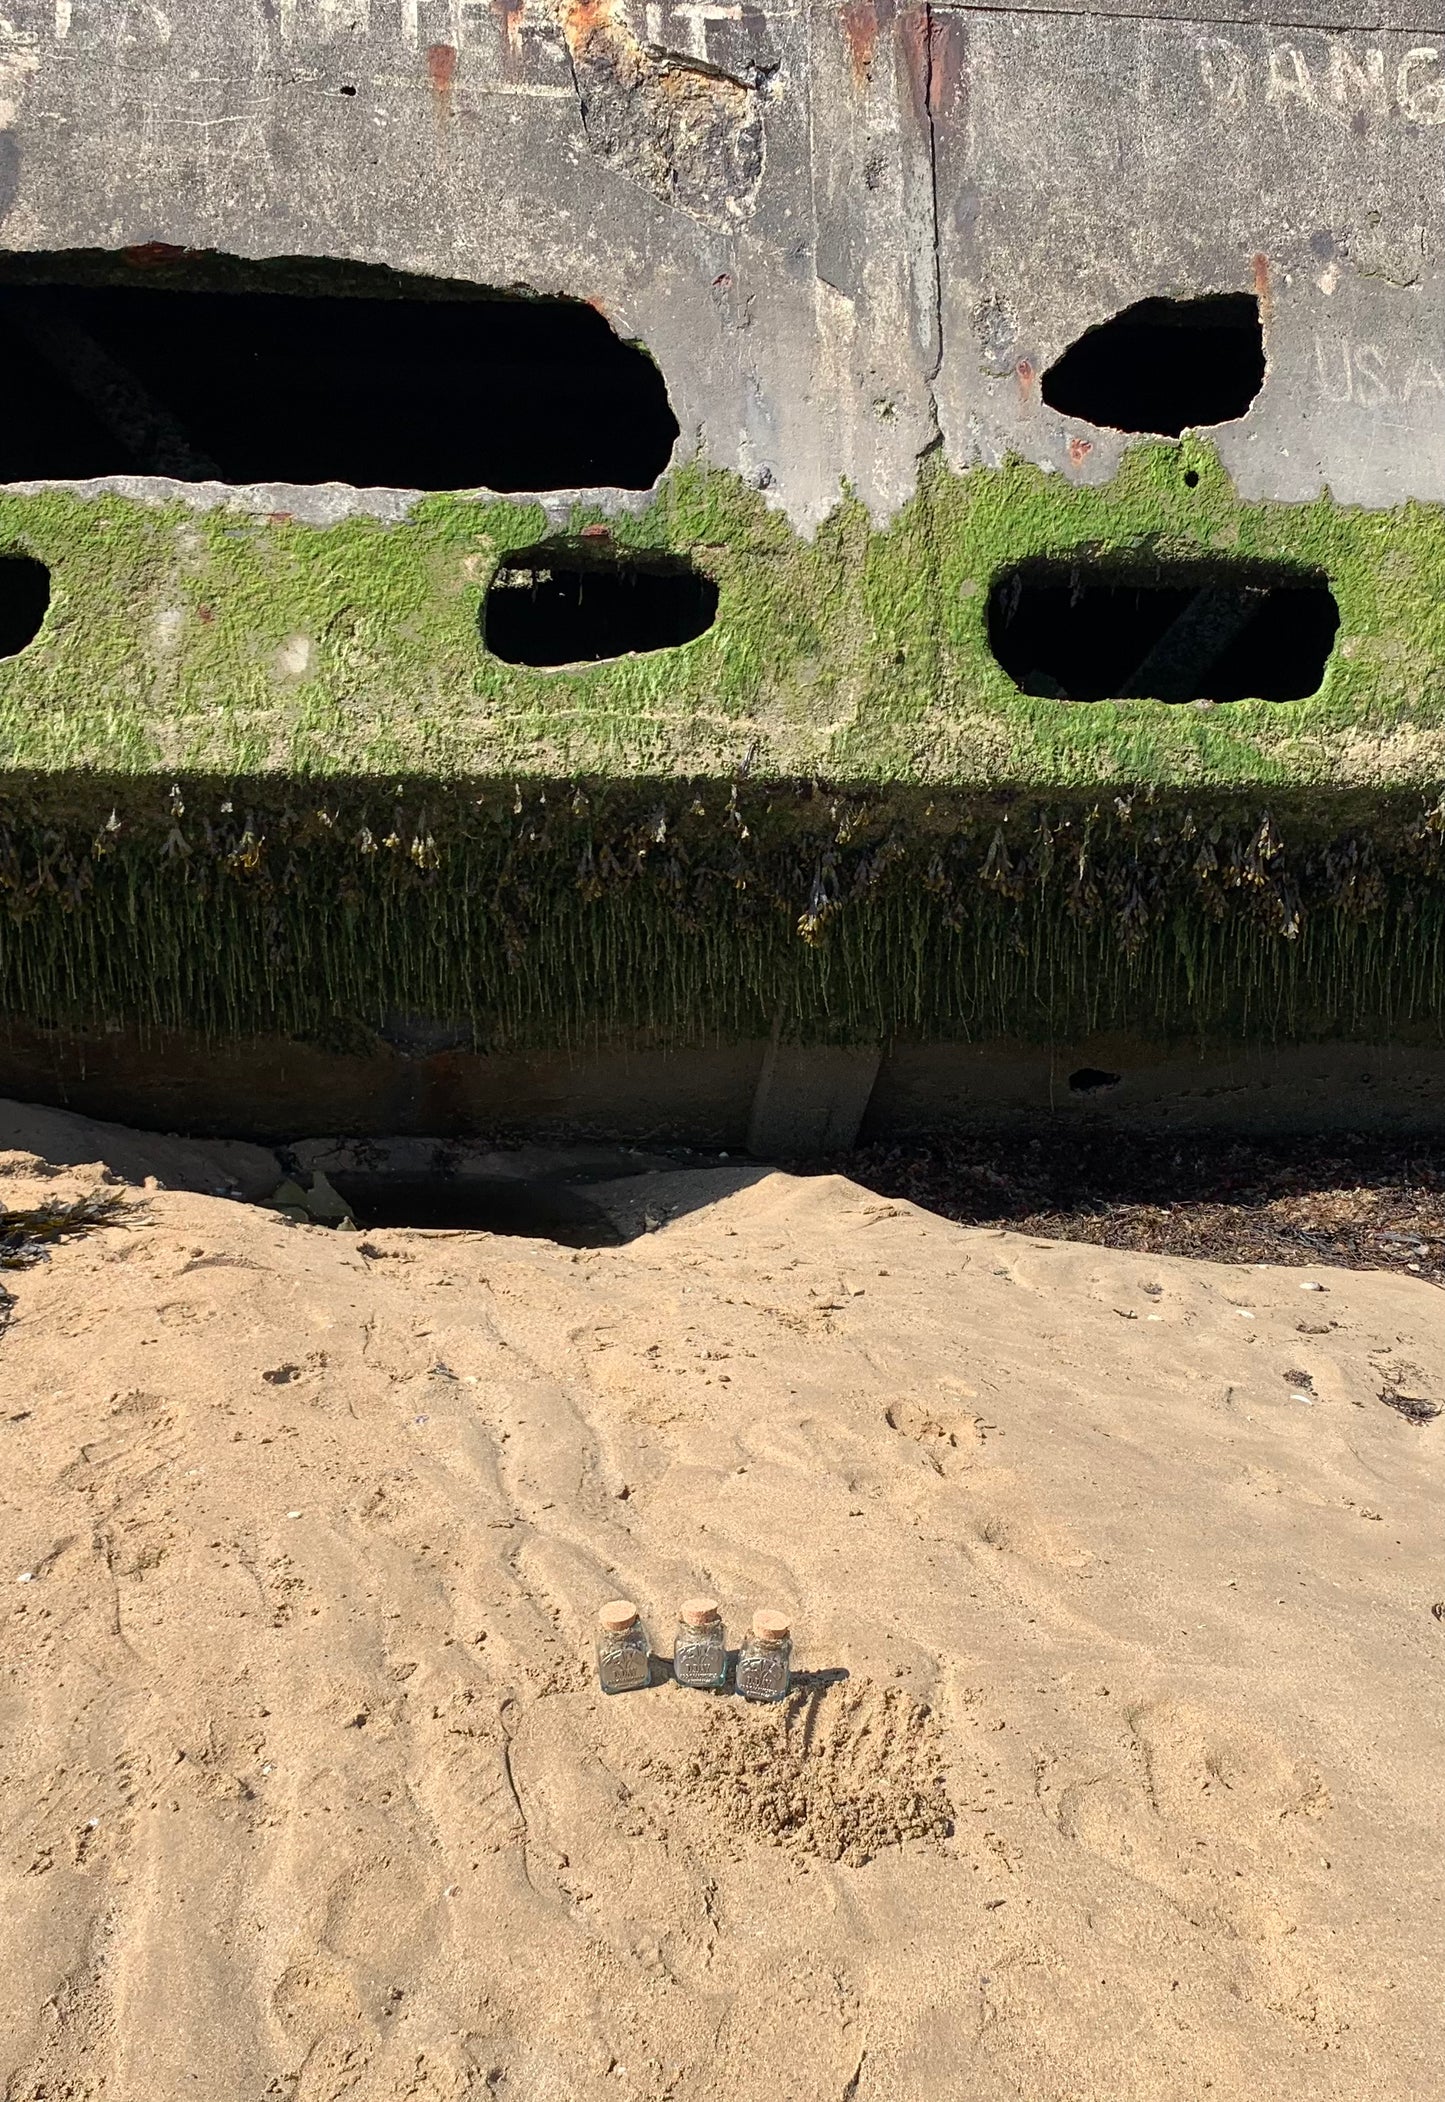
x=747, y=191
x=262, y=781
x=1086, y=162
x=272, y=1088
x=809, y=214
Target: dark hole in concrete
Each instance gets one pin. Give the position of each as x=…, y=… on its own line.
x=1089, y=629
x=207, y=367
x=540, y=1210
x=24, y=596
x=1092, y=1080
x=1163, y=365
x=563, y=605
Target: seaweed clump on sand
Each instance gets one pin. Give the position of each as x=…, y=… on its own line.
x=27, y=1236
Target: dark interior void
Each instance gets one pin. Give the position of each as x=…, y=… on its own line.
x=24, y=596
x=1163, y=365
x=298, y=370
x=540, y=1210
x=1093, y=1080
x=1090, y=631
x=560, y=605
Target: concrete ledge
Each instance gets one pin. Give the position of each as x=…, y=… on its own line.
x=1131, y=1081
x=780, y=1101
x=811, y=1100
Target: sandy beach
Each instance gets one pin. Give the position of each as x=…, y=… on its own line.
x=1112, y=1773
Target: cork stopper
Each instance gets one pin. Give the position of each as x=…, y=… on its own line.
x=617, y=1616
x=699, y=1612
x=771, y=1627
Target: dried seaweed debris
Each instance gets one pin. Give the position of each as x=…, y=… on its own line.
x=27, y=1236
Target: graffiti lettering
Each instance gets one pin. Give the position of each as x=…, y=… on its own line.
x=297, y=21
x=1372, y=377
x=1346, y=84
x=1421, y=101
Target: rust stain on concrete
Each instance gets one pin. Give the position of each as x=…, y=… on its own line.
x=914, y=36
x=153, y=255
x=441, y=69
x=1261, y=282
x=860, y=30
x=508, y=14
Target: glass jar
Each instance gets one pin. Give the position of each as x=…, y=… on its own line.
x=624, y=1654
x=700, y=1647
x=764, y=1659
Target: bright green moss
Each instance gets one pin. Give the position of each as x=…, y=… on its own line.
x=220, y=642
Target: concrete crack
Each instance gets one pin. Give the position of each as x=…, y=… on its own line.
x=936, y=288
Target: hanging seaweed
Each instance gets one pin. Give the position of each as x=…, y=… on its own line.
x=569, y=911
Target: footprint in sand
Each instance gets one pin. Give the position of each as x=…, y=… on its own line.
x=949, y=1436
x=1209, y=1816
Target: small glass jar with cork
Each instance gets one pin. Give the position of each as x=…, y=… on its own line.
x=624, y=1654
x=765, y=1658
x=700, y=1647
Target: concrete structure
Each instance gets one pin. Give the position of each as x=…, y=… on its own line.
x=844, y=232
x=944, y=306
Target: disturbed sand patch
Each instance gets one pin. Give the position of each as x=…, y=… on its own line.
x=838, y=1771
